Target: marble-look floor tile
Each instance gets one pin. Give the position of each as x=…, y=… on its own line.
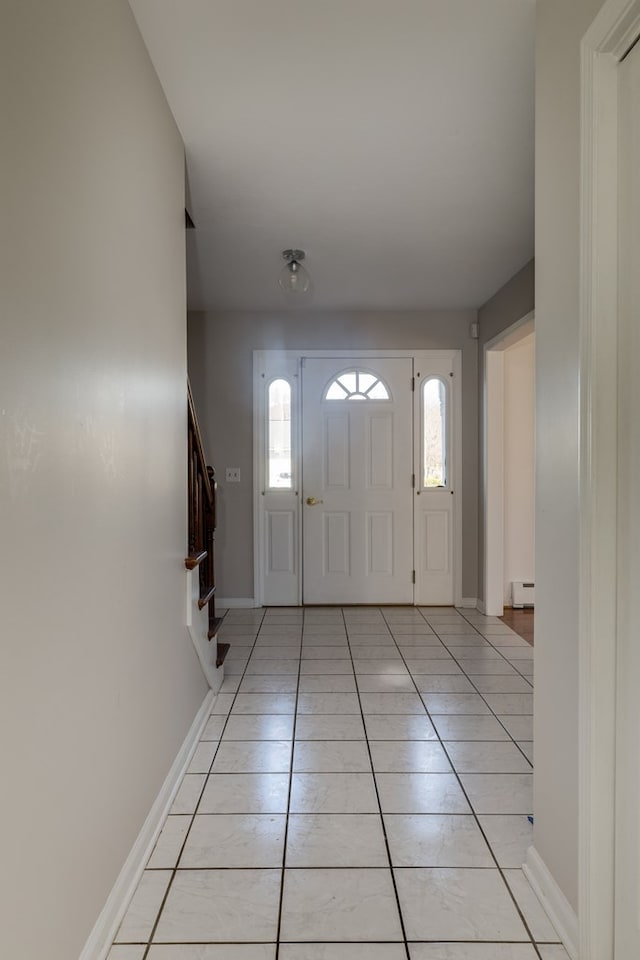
x=391, y=703
x=230, y=685
x=474, y=757
x=213, y=728
x=321, y=727
x=328, y=703
x=245, y=793
x=331, y=756
x=212, y=951
x=420, y=793
x=342, y=951
x=126, y=952
x=330, y=905
x=387, y=683
x=273, y=668
x=446, y=683
x=437, y=667
x=375, y=651
x=169, y=843
x=399, y=727
x=188, y=794
x=142, y=912
x=513, y=684
x=269, y=685
x=259, y=727
x=446, y=904
x=325, y=652
x=432, y=840
x=520, y=728
x=311, y=668
x=336, y=840
x=527, y=748
x=253, y=756
x=494, y=667
x=472, y=951
x=220, y=906
x=469, y=728
x=510, y=703
x=541, y=927
x=273, y=651
x=553, y=951
x=235, y=840
x=499, y=792
x=455, y=703
x=270, y=703
x=333, y=793
x=409, y=756
x=203, y=757
x=509, y=836
x=326, y=683
x=222, y=704
x=367, y=665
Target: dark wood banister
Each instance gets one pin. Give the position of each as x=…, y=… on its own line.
x=202, y=524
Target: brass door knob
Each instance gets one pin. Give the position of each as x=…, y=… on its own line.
x=312, y=502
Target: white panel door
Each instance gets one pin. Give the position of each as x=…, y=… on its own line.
x=627, y=854
x=436, y=395
x=357, y=499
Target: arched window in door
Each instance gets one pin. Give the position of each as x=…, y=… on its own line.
x=357, y=385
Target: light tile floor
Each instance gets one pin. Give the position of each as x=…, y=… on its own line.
x=361, y=792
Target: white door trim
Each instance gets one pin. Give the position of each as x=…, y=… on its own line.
x=289, y=362
x=608, y=39
x=493, y=475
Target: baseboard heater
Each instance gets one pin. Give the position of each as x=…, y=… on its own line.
x=522, y=594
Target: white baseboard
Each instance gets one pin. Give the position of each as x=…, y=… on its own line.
x=481, y=606
x=232, y=603
x=468, y=603
x=106, y=926
x=556, y=906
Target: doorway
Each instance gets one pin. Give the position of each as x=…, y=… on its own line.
x=357, y=463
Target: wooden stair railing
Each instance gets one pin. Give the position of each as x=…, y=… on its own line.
x=202, y=525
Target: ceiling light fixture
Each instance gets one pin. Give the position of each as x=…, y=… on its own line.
x=293, y=277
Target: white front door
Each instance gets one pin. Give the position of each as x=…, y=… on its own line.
x=357, y=493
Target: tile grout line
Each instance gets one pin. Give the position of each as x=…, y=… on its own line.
x=462, y=788
x=288, y=811
x=375, y=785
x=193, y=815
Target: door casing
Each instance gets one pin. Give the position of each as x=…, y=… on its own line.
x=270, y=364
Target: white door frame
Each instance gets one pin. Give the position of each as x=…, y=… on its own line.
x=608, y=39
x=493, y=477
x=288, y=363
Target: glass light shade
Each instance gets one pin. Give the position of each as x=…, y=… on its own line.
x=294, y=278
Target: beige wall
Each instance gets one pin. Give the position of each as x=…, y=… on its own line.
x=220, y=367
x=519, y=462
x=560, y=27
x=99, y=680
x=509, y=305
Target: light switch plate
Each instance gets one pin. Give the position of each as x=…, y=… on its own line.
x=232, y=475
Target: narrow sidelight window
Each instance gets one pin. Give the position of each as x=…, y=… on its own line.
x=434, y=437
x=279, y=468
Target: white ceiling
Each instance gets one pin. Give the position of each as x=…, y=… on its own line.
x=390, y=139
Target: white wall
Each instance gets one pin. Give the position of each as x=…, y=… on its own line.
x=221, y=372
x=519, y=463
x=559, y=29
x=99, y=679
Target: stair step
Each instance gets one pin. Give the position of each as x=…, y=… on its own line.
x=214, y=626
x=223, y=650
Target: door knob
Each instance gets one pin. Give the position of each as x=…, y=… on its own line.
x=312, y=502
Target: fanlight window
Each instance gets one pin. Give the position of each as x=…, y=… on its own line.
x=357, y=385
x=434, y=413
x=279, y=435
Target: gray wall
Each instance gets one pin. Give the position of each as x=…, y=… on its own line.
x=559, y=29
x=99, y=682
x=511, y=303
x=220, y=367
